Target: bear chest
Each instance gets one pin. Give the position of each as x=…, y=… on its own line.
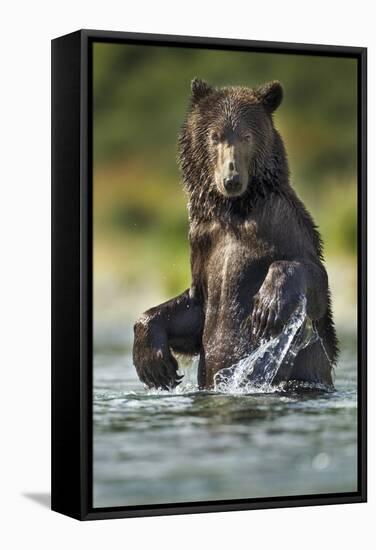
x=236, y=267
x=231, y=262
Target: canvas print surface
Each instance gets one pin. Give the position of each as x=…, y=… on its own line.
x=225, y=275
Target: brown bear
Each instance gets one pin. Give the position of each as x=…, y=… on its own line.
x=255, y=250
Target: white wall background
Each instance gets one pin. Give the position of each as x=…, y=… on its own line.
x=27, y=28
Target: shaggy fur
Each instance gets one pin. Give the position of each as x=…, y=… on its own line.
x=253, y=254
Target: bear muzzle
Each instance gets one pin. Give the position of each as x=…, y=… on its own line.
x=232, y=184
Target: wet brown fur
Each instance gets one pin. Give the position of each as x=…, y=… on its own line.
x=251, y=255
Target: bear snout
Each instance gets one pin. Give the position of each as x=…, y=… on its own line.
x=232, y=184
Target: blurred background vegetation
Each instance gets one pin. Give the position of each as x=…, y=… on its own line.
x=141, y=251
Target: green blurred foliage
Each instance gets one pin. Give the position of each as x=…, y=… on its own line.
x=140, y=98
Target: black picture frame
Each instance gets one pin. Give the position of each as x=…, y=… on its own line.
x=72, y=276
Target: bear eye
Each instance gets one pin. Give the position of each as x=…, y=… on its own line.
x=215, y=138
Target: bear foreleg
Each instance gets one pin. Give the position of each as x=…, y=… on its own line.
x=283, y=288
x=175, y=325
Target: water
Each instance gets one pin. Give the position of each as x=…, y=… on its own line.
x=236, y=442
x=260, y=369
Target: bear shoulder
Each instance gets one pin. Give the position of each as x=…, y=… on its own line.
x=289, y=220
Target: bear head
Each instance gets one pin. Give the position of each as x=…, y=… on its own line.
x=228, y=137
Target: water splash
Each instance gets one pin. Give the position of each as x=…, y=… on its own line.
x=258, y=371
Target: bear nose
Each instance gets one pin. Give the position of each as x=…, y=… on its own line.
x=232, y=183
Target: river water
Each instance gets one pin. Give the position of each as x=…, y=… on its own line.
x=153, y=447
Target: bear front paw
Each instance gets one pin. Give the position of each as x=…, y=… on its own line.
x=271, y=311
x=157, y=368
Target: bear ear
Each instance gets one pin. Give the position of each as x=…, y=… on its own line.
x=270, y=95
x=200, y=89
